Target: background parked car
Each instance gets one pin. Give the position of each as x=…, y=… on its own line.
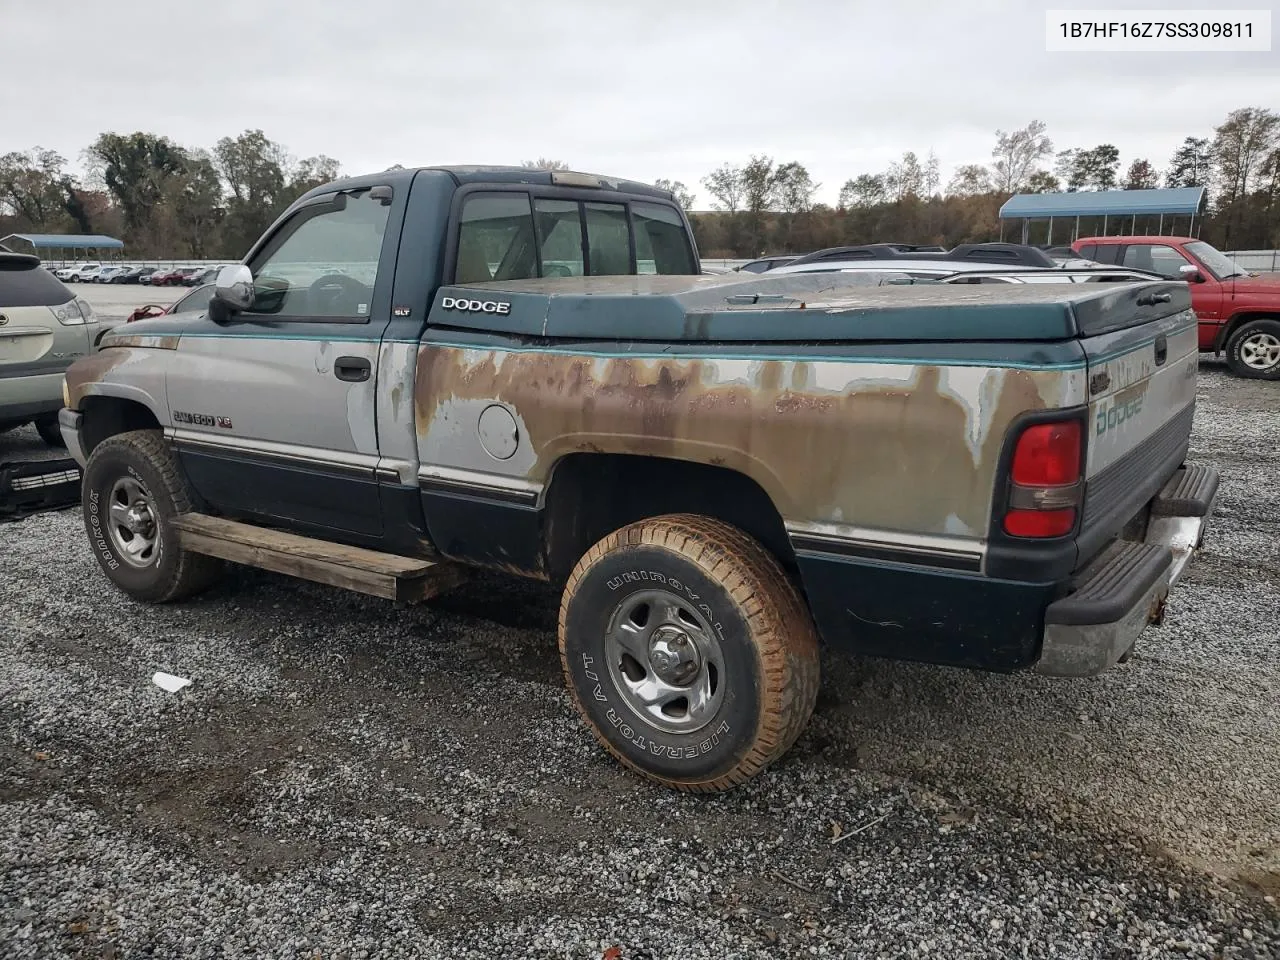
x=129, y=274
x=765, y=264
x=78, y=272
x=205, y=275
x=197, y=301
x=46, y=327
x=107, y=274
x=164, y=277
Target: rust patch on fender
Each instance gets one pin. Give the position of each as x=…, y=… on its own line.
x=90, y=370
x=904, y=454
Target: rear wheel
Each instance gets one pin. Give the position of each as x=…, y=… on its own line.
x=132, y=489
x=688, y=651
x=1253, y=350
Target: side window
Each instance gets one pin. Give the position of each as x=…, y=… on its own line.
x=608, y=240
x=661, y=243
x=1089, y=251
x=197, y=300
x=1156, y=257
x=495, y=239
x=325, y=263
x=1107, y=253
x=560, y=237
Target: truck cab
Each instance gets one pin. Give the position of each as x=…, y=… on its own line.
x=1238, y=312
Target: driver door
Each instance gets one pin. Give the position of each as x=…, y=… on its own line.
x=272, y=409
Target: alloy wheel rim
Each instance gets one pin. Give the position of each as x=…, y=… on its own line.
x=1260, y=351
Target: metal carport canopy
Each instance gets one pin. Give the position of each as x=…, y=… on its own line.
x=1103, y=203
x=69, y=241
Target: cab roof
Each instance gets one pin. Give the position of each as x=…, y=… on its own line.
x=478, y=173
x=1134, y=238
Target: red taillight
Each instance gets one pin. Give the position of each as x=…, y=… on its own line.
x=1039, y=523
x=1046, y=481
x=1048, y=455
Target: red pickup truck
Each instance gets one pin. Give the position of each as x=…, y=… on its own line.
x=1239, y=312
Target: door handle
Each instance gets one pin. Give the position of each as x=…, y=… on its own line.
x=351, y=369
x=1162, y=350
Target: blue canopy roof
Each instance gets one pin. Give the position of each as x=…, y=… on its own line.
x=48, y=241
x=1098, y=203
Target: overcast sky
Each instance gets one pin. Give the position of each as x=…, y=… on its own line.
x=635, y=89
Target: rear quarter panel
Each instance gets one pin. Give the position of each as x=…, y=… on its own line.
x=846, y=441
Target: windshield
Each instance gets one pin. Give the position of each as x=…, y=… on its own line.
x=1218, y=262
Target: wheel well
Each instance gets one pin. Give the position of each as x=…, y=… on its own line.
x=1237, y=321
x=593, y=494
x=104, y=417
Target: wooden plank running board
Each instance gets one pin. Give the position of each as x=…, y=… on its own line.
x=352, y=568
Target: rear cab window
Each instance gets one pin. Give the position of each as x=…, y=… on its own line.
x=1108, y=253
x=515, y=235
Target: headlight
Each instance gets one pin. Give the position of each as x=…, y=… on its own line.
x=69, y=314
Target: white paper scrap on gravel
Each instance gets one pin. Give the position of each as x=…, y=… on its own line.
x=169, y=683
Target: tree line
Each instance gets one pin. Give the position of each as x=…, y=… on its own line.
x=166, y=200
x=762, y=206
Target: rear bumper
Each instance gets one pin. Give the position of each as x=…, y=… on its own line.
x=25, y=398
x=1122, y=592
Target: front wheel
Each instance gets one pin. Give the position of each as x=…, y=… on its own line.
x=1253, y=350
x=688, y=651
x=132, y=489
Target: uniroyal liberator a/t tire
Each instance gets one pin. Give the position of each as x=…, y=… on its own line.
x=131, y=491
x=688, y=651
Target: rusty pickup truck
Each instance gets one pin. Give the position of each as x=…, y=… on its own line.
x=423, y=372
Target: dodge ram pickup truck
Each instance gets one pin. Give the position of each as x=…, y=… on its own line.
x=1239, y=312
x=421, y=372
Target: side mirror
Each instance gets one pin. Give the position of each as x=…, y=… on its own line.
x=234, y=287
x=1191, y=273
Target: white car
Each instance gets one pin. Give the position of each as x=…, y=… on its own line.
x=105, y=274
x=80, y=273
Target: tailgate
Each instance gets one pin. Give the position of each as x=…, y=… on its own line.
x=1140, y=344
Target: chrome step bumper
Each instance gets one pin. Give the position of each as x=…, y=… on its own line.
x=1122, y=592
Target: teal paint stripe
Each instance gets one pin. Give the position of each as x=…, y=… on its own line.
x=276, y=336
x=788, y=358
x=660, y=355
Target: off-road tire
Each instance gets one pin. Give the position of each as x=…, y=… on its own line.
x=49, y=431
x=768, y=640
x=1236, y=342
x=175, y=572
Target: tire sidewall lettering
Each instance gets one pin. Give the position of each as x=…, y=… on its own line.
x=97, y=535
x=100, y=476
x=719, y=744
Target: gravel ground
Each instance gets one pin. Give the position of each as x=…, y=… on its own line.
x=348, y=779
